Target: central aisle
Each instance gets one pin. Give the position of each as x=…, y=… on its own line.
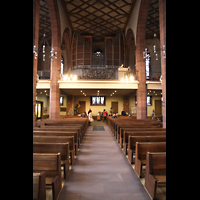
x=101, y=171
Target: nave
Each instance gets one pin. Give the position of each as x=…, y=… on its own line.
x=101, y=170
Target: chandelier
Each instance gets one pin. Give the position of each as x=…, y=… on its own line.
x=69, y=76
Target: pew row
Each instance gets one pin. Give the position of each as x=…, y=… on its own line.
x=39, y=186
x=133, y=139
x=62, y=148
x=138, y=133
x=51, y=164
x=63, y=128
x=120, y=136
x=155, y=174
x=60, y=133
x=58, y=139
x=141, y=150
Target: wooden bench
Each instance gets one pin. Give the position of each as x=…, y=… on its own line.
x=39, y=186
x=60, y=133
x=58, y=139
x=51, y=164
x=155, y=174
x=114, y=122
x=62, y=148
x=122, y=129
x=136, y=124
x=63, y=128
x=138, y=133
x=141, y=150
x=83, y=122
x=133, y=139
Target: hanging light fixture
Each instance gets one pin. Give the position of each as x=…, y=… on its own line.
x=155, y=43
x=35, y=51
x=164, y=51
x=53, y=54
x=146, y=55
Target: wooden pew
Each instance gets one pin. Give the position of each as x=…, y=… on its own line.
x=136, y=124
x=64, y=122
x=155, y=173
x=62, y=148
x=39, y=186
x=133, y=139
x=141, y=150
x=122, y=129
x=60, y=133
x=63, y=128
x=51, y=164
x=58, y=139
x=138, y=133
x=124, y=120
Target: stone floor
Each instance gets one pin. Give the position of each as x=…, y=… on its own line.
x=101, y=171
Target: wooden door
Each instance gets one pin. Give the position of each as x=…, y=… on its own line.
x=158, y=108
x=114, y=106
x=126, y=104
x=82, y=108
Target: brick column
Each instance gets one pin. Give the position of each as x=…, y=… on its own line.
x=36, y=9
x=54, y=102
x=162, y=21
x=141, y=92
x=140, y=63
x=54, y=89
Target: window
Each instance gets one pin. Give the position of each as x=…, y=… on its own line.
x=62, y=66
x=149, y=100
x=147, y=66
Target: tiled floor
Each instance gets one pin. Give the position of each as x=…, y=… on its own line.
x=102, y=172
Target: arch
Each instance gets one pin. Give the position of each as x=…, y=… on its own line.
x=67, y=41
x=129, y=38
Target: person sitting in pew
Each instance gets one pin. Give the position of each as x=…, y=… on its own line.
x=123, y=113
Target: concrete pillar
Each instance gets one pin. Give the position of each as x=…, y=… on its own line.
x=162, y=23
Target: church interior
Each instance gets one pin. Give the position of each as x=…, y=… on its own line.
x=91, y=55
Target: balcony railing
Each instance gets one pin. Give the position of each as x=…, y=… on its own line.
x=44, y=74
x=108, y=72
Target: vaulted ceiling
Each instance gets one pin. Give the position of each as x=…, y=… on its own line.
x=99, y=18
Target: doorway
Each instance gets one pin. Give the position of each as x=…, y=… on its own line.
x=82, y=107
x=38, y=109
x=114, y=106
x=158, y=108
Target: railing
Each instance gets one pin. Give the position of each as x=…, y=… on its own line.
x=99, y=74
x=108, y=72
x=95, y=67
x=44, y=74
